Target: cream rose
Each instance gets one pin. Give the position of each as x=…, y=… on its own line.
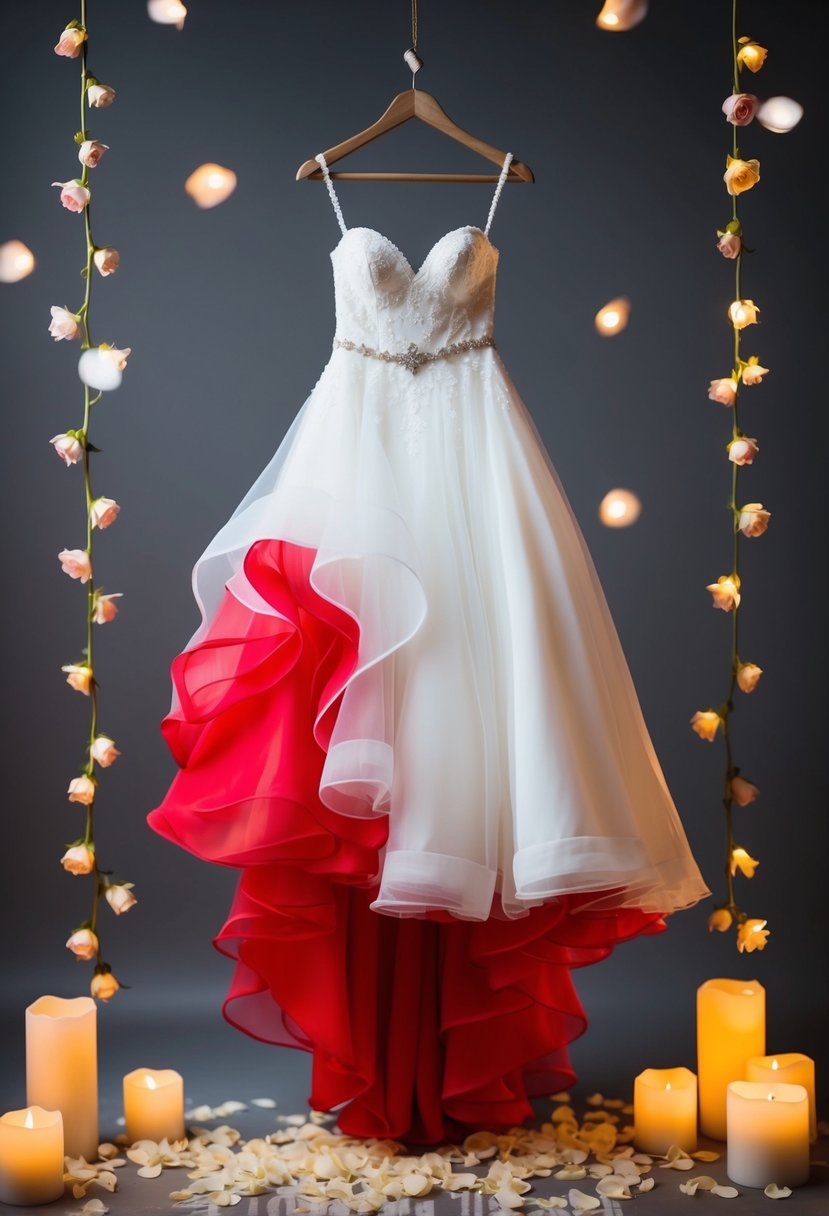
x=76, y=563
x=740, y=108
x=706, y=723
x=65, y=325
x=730, y=245
x=107, y=260
x=748, y=674
x=73, y=195
x=104, y=986
x=91, y=151
x=721, y=920
x=723, y=390
x=725, y=592
x=78, y=677
x=82, y=789
x=103, y=751
x=103, y=512
x=78, y=860
x=100, y=95
x=743, y=450
x=753, y=373
x=742, y=791
x=68, y=447
x=753, y=519
x=70, y=42
x=742, y=313
x=120, y=897
x=84, y=944
x=104, y=610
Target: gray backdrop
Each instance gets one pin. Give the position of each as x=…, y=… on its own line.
x=230, y=316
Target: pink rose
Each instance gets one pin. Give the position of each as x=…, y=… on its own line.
x=118, y=357
x=740, y=108
x=748, y=675
x=706, y=723
x=79, y=677
x=103, y=751
x=725, y=592
x=84, y=945
x=64, y=324
x=753, y=519
x=724, y=390
x=100, y=95
x=68, y=447
x=91, y=151
x=742, y=451
x=82, y=789
x=753, y=373
x=120, y=897
x=103, y=512
x=76, y=563
x=78, y=860
x=106, y=259
x=742, y=791
x=70, y=43
x=73, y=195
x=104, y=609
x=730, y=245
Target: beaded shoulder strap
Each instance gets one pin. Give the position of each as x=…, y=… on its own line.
x=503, y=177
x=320, y=158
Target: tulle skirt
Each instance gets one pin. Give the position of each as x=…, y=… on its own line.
x=406, y=717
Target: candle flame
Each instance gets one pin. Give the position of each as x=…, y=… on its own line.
x=748, y=992
x=775, y=1065
x=667, y=1085
x=29, y=1122
x=151, y=1083
x=771, y=1097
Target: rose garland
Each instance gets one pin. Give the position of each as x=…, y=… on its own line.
x=751, y=519
x=100, y=368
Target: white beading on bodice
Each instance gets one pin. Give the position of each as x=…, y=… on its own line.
x=382, y=301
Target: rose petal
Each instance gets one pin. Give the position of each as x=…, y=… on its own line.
x=96, y=1207
x=580, y=1202
x=150, y=1171
x=704, y=1154
x=264, y=1103
x=571, y=1173
x=725, y=1192
x=647, y=1185
x=613, y=1187
x=773, y=1191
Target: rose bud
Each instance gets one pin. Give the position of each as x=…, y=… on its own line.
x=76, y=563
x=725, y=592
x=106, y=259
x=721, y=920
x=91, y=151
x=118, y=357
x=84, y=945
x=120, y=897
x=742, y=861
x=78, y=860
x=753, y=373
x=706, y=723
x=742, y=791
x=752, y=935
x=103, y=512
x=104, y=610
x=82, y=789
x=753, y=519
x=742, y=313
x=68, y=447
x=730, y=245
x=724, y=391
x=742, y=451
x=70, y=42
x=104, y=986
x=100, y=95
x=73, y=195
x=740, y=175
x=752, y=56
x=748, y=675
x=103, y=751
x=740, y=108
x=64, y=325
x=79, y=677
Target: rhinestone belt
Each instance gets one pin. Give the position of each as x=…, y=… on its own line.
x=412, y=358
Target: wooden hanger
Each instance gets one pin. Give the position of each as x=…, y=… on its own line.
x=414, y=103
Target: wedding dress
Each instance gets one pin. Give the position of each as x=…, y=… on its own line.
x=407, y=719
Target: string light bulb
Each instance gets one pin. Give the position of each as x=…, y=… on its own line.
x=167, y=12
x=619, y=508
x=16, y=262
x=780, y=114
x=210, y=185
x=613, y=318
x=619, y=15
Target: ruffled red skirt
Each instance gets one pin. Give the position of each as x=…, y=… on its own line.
x=419, y=1027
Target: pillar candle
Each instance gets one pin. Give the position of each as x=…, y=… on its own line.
x=154, y=1104
x=790, y=1068
x=62, y=1067
x=31, y=1156
x=768, y=1133
x=665, y=1110
x=731, y=1027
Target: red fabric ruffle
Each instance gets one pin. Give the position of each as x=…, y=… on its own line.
x=419, y=1028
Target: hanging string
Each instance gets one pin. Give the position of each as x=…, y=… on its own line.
x=411, y=56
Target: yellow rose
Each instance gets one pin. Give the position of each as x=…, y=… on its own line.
x=742, y=313
x=752, y=935
x=721, y=920
x=726, y=592
x=751, y=55
x=104, y=985
x=740, y=175
x=744, y=862
x=706, y=723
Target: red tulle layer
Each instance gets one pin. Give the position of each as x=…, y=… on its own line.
x=418, y=1027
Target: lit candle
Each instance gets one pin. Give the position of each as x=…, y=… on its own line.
x=731, y=1027
x=788, y=1069
x=768, y=1134
x=210, y=185
x=619, y=508
x=154, y=1104
x=613, y=318
x=665, y=1110
x=62, y=1067
x=31, y=1156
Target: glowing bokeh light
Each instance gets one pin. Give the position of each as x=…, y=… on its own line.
x=780, y=114
x=210, y=185
x=621, y=14
x=613, y=318
x=167, y=12
x=16, y=262
x=619, y=508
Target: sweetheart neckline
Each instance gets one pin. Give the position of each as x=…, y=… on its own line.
x=415, y=273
